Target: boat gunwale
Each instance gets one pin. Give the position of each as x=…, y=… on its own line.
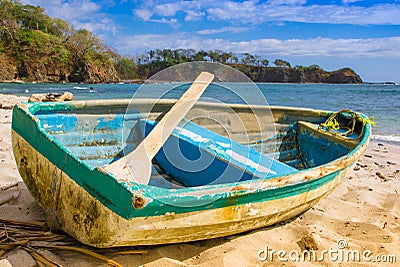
x=240, y=188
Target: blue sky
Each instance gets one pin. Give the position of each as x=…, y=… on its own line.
x=363, y=35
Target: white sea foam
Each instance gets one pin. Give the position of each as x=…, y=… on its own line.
x=394, y=139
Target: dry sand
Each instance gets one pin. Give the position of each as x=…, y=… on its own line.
x=364, y=212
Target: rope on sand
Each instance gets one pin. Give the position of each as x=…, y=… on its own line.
x=34, y=236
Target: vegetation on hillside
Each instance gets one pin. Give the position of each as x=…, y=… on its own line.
x=255, y=67
x=42, y=48
x=36, y=47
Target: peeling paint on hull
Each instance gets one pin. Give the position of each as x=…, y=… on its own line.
x=94, y=216
x=82, y=216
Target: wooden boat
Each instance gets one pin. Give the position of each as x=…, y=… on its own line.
x=61, y=150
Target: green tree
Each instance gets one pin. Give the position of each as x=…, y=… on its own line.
x=213, y=56
x=43, y=46
x=126, y=68
x=83, y=45
x=314, y=67
x=248, y=59
x=282, y=63
x=39, y=53
x=264, y=62
x=152, y=54
x=61, y=28
x=300, y=67
x=8, y=24
x=201, y=55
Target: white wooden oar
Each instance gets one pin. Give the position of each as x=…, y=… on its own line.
x=136, y=166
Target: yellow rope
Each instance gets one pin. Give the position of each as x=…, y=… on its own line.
x=333, y=125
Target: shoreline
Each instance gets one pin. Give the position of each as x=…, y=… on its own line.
x=146, y=81
x=363, y=211
x=386, y=139
x=390, y=135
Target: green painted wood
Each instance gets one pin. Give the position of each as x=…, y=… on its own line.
x=118, y=196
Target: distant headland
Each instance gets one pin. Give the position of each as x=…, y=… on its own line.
x=37, y=48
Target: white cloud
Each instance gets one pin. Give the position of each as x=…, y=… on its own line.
x=71, y=10
x=250, y=12
x=350, y=1
x=173, y=22
x=288, y=2
x=345, y=48
x=80, y=13
x=258, y=12
x=192, y=15
x=239, y=11
x=373, y=47
x=167, y=10
x=131, y=45
x=224, y=29
x=192, y=9
x=143, y=14
x=105, y=25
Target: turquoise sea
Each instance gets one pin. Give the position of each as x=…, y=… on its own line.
x=377, y=100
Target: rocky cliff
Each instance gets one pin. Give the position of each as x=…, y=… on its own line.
x=299, y=75
x=106, y=73
x=8, y=69
x=37, y=72
x=92, y=73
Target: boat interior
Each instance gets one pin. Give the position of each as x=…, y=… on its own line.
x=200, y=152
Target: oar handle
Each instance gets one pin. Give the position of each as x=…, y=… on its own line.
x=164, y=128
x=141, y=157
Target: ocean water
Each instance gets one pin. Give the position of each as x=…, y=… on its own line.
x=380, y=101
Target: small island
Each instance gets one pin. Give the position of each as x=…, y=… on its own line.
x=35, y=47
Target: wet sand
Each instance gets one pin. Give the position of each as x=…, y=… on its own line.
x=362, y=213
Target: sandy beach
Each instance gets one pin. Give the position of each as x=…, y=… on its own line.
x=362, y=216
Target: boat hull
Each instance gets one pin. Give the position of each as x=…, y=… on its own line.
x=71, y=208
x=83, y=215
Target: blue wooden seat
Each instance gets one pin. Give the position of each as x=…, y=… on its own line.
x=195, y=156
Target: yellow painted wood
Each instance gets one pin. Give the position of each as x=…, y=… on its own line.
x=71, y=208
